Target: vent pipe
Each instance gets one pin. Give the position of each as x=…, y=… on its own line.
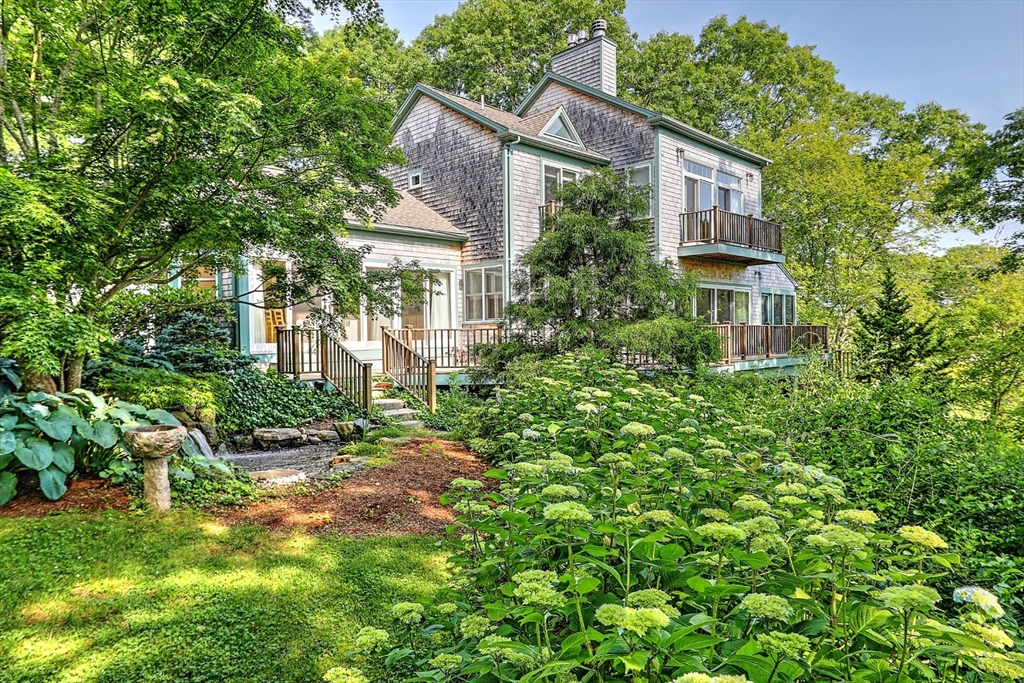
x=599, y=27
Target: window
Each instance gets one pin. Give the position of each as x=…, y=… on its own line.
x=641, y=175
x=205, y=278
x=720, y=305
x=415, y=179
x=778, y=309
x=560, y=128
x=730, y=198
x=697, y=187
x=485, y=293
x=554, y=178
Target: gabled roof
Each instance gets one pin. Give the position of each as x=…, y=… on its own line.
x=508, y=127
x=653, y=117
x=412, y=217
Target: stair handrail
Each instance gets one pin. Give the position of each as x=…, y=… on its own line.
x=409, y=369
x=348, y=373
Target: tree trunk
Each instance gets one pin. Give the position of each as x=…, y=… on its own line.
x=34, y=381
x=74, y=374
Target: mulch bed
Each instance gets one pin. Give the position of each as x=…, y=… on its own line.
x=400, y=498
x=84, y=495
x=397, y=499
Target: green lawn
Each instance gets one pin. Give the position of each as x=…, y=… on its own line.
x=120, y=597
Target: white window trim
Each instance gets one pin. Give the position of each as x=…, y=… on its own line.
x=483, y=294
x=567, y=122
x=415, y=173
x=650, y=174
x=700, y=179
x=546, y=164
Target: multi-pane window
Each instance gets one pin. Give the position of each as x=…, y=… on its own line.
x=730, y=196
x=205, y=278
x=778, y=309
x=697, y=186
x=720, y=305
x=485, y=293
x=554, y=178
x=641, y=175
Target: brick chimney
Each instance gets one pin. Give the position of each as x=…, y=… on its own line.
x=590, y=60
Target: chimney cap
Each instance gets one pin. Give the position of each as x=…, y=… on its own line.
x=572, y=39
x=599, y=27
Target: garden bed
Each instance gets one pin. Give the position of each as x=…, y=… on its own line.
x=396, y=499
x=84, y=495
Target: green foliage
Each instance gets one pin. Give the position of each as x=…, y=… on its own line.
x=51, y=436
x=205, y=601
x=451, y=406
x=499, y=48
x=122, y=172
x=636, y=532
x=204, y=487
x=268, y=399
x=889, y=343
x=202, y=397
x=591, y=278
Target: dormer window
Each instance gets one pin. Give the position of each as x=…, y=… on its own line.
x=415, y=179
x=560, y=128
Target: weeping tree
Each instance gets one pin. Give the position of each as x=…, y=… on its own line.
x=591, y=279
x=142, y=142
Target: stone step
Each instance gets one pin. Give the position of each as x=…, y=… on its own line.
x=277, y=477
x=400, y=413
x=386, y=404
x=412, y=424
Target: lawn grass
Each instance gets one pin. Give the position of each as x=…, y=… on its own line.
x=117, y=597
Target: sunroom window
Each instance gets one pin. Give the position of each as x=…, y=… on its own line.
x=485, y=293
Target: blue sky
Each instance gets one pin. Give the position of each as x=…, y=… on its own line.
x=963, y=54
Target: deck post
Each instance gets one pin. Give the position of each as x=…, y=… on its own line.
x=296, y=354
x=768, y=341
x=367, y=386
x=323, y=353
x=432, y=385
x=743, y=341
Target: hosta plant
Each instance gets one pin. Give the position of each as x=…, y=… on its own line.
x=636, y=535
x=51, y=435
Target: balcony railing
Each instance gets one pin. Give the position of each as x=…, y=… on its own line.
x=715, y=226
x=755, y=342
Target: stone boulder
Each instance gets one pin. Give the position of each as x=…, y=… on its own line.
x=283, y=437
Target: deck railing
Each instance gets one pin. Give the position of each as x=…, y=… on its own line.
x=410, y=369
x=310, y=353
x=450, y=349
x=750, y=342
x=714, y=225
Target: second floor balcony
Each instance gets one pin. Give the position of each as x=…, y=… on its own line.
x=727, y=236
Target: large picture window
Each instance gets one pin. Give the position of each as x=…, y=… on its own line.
x=485, y=293
x=720, y=305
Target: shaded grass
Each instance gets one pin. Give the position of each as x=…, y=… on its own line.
x=111, y=597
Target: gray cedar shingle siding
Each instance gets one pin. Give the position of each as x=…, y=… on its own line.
x=623, y=136
x=462, y=174
x=592, y=63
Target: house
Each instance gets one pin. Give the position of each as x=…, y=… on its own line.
x=479, y=180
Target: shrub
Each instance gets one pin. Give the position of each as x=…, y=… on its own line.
x=51, y=435
x=696, y=548
x=451, y=406
x=200, y=397
x=268, y=399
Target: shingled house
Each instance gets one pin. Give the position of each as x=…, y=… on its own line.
x=479, y=180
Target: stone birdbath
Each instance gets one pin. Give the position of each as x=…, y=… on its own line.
x=154, y=444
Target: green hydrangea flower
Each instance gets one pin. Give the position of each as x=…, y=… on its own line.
x=979, y=597
x=831, y=492
x=1001, y=667
x=663, y=517
x=474, y=626
x=467, y=484
x=588, y=408
x=835, y=536
x=650, y=597
x=447, y=608
x=408, y=612
x=693, y=677
x=637, y=429
x=765, y=606
x=753, y=504
x=759, y=525
x=861, y=517
x=992, y=635
x=678, y=456
x=717, y=514
x=721, y=533
x=922, y=538
x=909, y=598
x=791, y=489
x=567, y=513
x=783, y=645
x=446, y=662
x=791, y=501
x=371, y=639
x=492, y=646
x=559, y=492
x=344, y=674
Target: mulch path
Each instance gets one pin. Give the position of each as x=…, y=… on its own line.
x=84, y=495
x=400, y=498
x=397, y=499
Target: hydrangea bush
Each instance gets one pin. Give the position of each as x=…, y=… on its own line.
x=636, y=535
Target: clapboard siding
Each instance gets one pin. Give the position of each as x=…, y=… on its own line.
x=621, y=135
x=462, y=174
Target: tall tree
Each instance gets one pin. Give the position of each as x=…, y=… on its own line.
x=143, y=141
x=497, y=49
x=591, y=279
x=891, y=343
